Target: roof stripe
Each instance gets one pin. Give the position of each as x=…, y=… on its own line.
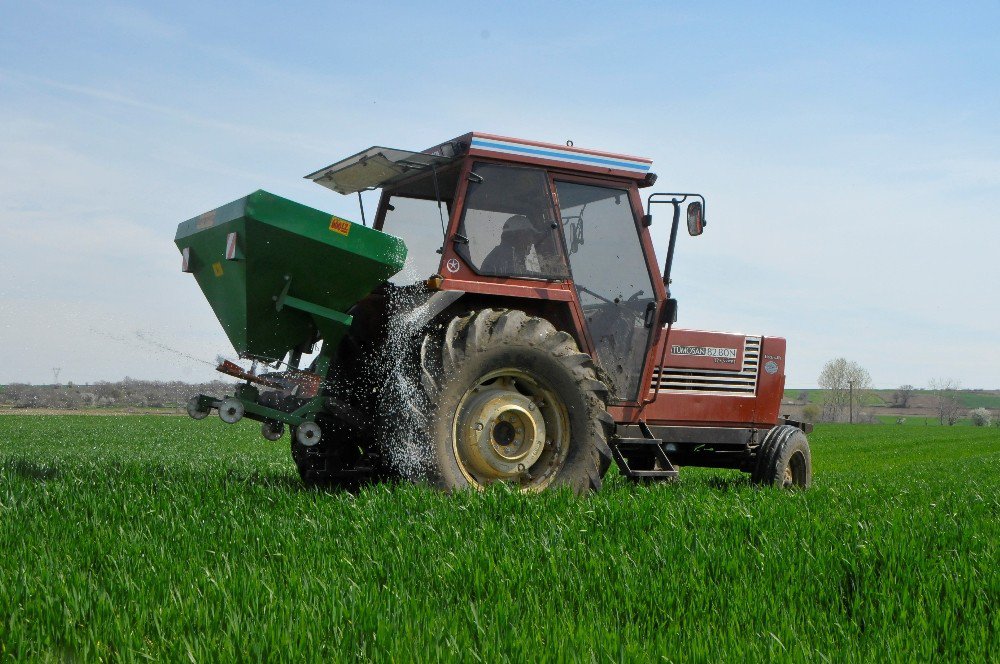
x=560, y=155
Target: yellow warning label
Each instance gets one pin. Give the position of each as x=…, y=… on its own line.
x=342, y=226
x=217, y=268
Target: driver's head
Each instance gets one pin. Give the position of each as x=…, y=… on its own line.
x=518, y=232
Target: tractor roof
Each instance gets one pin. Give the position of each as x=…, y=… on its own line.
x=379, y=166
x=556, y=156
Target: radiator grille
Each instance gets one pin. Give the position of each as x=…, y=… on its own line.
x=673, y=379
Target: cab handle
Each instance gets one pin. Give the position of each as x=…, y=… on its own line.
x=649, y=318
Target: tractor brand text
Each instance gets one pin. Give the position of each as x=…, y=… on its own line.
x=704, y=351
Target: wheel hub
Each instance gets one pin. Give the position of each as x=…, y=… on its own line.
x=501, y=432
x=504, y=433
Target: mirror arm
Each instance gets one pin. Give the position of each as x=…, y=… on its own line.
x=675, y=200
x=668, y=264
x=651, y=200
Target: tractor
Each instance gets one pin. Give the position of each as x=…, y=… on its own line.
x=503, y=319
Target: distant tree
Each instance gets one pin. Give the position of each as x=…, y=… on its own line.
x=981, y=417
x=133, y=394
x=811, y=413
x=23, y=395
x=901, y=397
x=867, y=417
x=837, y=378
x=946, y=395
x=804, y=396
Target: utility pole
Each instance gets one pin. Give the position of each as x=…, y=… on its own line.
x=55, y=374
x=850, y=406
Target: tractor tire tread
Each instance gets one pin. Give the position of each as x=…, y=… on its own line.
x=477, y=332
x=773, y=449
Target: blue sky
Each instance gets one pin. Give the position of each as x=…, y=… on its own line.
x=850, y=154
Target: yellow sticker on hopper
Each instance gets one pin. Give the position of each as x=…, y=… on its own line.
x=217, y=268
x=338, y=225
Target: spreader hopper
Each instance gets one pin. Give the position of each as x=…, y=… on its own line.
x=279, y=274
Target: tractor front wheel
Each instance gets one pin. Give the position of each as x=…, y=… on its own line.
x=512, y=399
x=783, y=459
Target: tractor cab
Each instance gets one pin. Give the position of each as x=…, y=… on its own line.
x=500, y=217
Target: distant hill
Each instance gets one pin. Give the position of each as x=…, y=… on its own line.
x=882, y=405
x=968, y=398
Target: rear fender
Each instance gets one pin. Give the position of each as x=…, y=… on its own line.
x=558, y=313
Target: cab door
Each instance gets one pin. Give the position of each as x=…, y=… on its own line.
x=616, y=292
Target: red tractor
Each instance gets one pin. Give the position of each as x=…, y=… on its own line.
x=529, y=337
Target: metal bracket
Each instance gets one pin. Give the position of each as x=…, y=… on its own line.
x=332, y=324
x=663, y=469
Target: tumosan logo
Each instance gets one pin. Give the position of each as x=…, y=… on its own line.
x=704, y=351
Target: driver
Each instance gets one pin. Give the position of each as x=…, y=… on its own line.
x=516, y=241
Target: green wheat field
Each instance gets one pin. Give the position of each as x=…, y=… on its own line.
x=135, y=538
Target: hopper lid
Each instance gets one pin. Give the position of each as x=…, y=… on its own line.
x=378, y=166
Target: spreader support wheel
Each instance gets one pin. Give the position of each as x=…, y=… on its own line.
x=195, y=410
x=308, y=434
x=231, y=411
x=272, y=430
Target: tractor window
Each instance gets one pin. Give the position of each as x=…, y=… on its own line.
x=417, y=223
x=510, y=224
x=611, y=278
x=412, y=215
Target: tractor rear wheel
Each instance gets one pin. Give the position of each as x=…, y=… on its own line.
x=512, y=399
x=783, y=459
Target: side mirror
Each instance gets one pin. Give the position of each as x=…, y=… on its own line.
x=695, y=218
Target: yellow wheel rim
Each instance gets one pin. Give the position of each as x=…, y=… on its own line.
x=510, y=427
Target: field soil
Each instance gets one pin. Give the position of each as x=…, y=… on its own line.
x=168, y=539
